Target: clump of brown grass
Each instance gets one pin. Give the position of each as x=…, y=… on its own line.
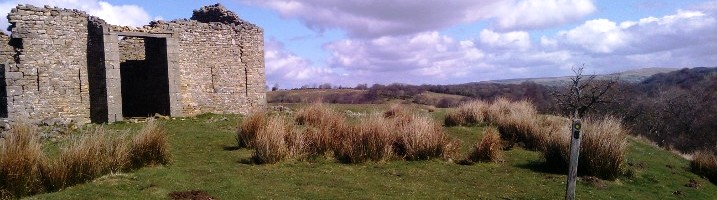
x=396, y=110
x=323, y=126
x=704, y=163
x=21, y=160
x=250, y=126
x=431, y=108
x=25, y=170
x=489, y=148
x=315, y=114
x=421, y=138
x=520, y=125
x=469, y=113
x=270, y=144
x=370, y=139
x=602, y=150
x=87, y=157
x=500, y=107
x=150, y=146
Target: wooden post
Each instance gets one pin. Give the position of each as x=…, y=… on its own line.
x=574, y=154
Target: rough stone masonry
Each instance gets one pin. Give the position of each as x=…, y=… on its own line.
x=63, y=64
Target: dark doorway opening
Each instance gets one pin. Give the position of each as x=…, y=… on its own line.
x=144, y=75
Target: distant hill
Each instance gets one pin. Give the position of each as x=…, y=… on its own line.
x=631, y=76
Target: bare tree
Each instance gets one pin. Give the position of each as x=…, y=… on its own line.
x=584, y=93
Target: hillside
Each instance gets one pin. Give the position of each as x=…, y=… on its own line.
x=631, y=76
x=206, y=161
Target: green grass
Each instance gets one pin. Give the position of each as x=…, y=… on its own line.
x=204, y=159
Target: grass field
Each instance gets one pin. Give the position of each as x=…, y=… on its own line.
x=205, y=158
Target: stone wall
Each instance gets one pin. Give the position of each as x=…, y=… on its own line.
x=132, y=48
x=63, y=63
x=49, y=79
x=221, y=61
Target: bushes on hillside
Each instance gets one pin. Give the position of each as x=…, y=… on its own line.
x=705, y=163
x=603, y=145
x=25, y=169
x=397, y=133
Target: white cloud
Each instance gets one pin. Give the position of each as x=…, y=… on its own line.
x=290, y=71
x=127, y=15
x=517, y=40
x=599, y=36
x=647, y=35
x=529, y=14
x=375, y=18
x=430, y=57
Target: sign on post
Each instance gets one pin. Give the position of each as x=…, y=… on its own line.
x=574, y=153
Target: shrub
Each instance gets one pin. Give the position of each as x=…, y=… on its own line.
x=270, y=145
x=21, y=160
x=421, y=139
x=602, y=150
x=705, y=163
x=489, y=148
x=469, y=113
x=149, y=146
x=250, y=126
x=88, y=156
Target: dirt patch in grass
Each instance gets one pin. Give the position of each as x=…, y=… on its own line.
x=192, y=194
x=595, y=182
x=693, y=184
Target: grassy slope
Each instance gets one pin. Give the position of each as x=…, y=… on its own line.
x=204, y=160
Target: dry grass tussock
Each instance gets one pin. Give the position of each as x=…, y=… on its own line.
x=602, y=150
x=489, y=148
x=470, y=113
x=150, y=146
x=318, y=114
x=21, y=160
x=88, y=156
x=377, y=137
x=517, y=121
x=705, y=163
x=25, y=169
x=250, y=126
x=422, y=138
x=370, y=139
x=270, y=144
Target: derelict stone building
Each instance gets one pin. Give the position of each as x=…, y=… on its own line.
x=65, y=64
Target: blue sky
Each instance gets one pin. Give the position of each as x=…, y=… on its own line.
x=346, y=42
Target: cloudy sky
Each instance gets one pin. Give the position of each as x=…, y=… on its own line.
x=346, y=42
